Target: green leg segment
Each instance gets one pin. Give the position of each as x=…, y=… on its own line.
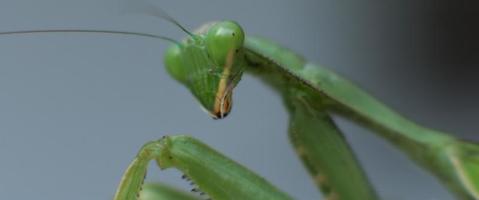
x=326, y=154
x=156, y=191
x=213, y=173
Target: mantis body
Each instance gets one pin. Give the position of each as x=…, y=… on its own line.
x=210, y=64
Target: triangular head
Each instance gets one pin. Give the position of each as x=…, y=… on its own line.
x=208, y=64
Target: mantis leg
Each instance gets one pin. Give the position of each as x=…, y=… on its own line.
x=326, y=154
x=157, y=191
x=213, y=173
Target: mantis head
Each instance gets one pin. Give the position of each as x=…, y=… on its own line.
x=209, y=64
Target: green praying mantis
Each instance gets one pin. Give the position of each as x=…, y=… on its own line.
x=210, y=63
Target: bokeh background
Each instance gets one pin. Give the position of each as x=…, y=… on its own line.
x=75, y=108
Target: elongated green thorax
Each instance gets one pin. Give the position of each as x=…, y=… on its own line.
x=206, y=64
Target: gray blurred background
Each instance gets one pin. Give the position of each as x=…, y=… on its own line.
x=75, y=108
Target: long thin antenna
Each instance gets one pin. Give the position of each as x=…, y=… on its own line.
x=144, y=7
x=91, y=31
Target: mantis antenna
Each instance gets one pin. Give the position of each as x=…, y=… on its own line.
x=146, y=8
x=139, y=7
x=92, y=31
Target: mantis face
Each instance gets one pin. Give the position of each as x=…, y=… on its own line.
x=209, y=65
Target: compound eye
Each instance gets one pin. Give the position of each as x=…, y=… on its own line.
x=222, y=39
x=173, y=63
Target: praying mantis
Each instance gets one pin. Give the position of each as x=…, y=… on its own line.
x=216, y=57
x=310, y=93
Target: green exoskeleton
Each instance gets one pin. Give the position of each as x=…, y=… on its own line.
x=210, y=64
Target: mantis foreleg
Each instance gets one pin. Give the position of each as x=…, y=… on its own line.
x=156, y=191
x=213, y=173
